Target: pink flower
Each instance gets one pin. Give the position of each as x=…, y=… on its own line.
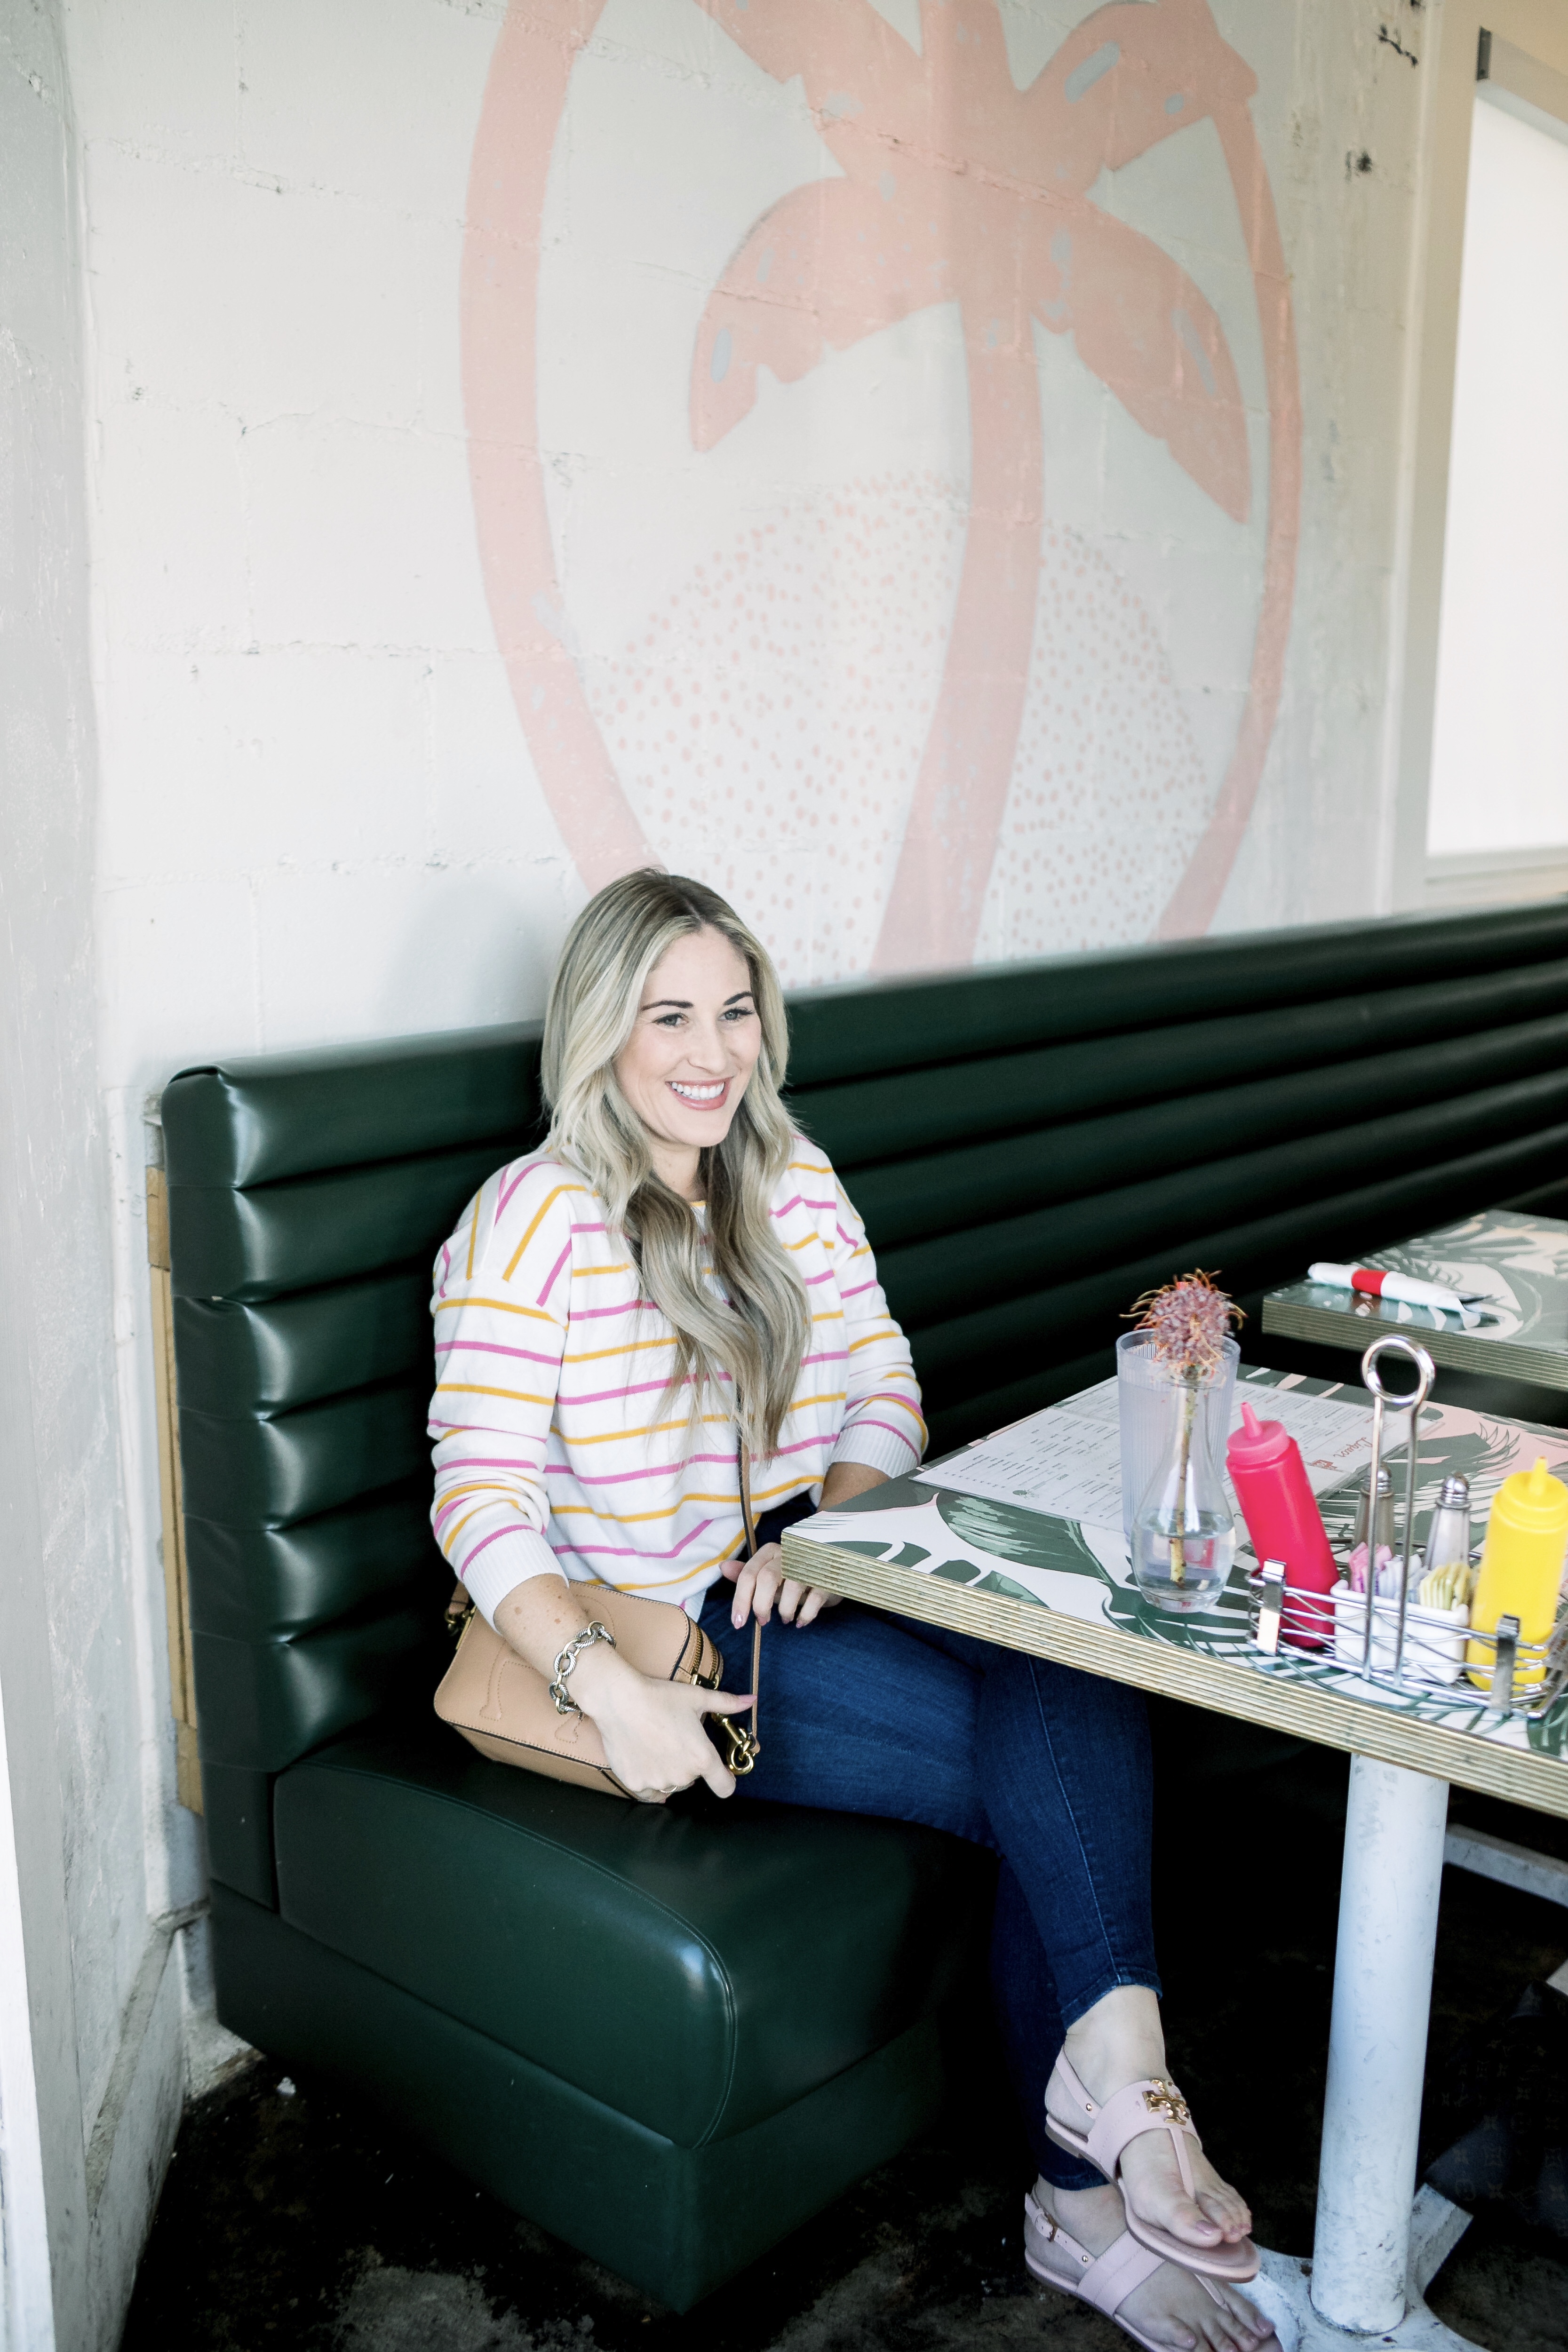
x=1189, y=1320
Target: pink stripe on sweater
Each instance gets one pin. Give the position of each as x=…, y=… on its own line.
x=609, y=1396
x=492, y=1348
x=628, y=1478
x=803, y=1446
x=504, y=1196
x=902, y=1435
x=633, y=1552
x=553, y=1271
x=495, y=1536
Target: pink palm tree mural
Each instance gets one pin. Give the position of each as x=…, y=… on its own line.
x=955, y=188
x=1010, y=236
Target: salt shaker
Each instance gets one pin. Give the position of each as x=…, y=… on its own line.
x=1448, y=1542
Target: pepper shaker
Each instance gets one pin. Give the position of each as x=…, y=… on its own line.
x=1385, y=1513
x=1448, y=1540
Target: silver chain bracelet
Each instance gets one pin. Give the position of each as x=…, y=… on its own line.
x=567, y=1658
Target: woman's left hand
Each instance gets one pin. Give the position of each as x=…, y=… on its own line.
x=762, y=1585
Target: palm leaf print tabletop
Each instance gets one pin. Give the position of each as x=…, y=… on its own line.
x=1516, y=1264
x=1000, y=1562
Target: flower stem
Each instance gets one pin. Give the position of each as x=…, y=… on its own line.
x=1179, y=1532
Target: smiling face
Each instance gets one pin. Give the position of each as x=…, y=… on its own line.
x=690, y=1054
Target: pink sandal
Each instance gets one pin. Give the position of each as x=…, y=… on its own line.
x=1153, y=2105
x=1104, y=2281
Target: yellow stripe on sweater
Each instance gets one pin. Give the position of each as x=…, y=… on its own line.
x=541, y=1213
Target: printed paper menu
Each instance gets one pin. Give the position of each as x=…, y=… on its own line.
x=1066, y=1461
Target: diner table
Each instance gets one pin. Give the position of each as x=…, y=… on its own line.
x=1513, y=1259
x=1061, y=1587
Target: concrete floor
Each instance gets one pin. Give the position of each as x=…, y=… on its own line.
x=301, y=2220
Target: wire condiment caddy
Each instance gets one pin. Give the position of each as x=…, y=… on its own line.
x=1391, y=1640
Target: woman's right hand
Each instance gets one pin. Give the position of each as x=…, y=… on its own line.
x=652, y=1731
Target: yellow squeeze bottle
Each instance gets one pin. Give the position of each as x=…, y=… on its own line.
x=1521, y=1569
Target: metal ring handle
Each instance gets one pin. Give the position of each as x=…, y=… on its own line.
x=1393, y=1343
x=1396, y=1343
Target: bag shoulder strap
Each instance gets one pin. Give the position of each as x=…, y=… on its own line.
x=743, y=1463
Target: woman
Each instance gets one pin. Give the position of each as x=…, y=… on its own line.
x=676, y=1263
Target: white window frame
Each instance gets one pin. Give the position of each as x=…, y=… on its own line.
x=1515, y=52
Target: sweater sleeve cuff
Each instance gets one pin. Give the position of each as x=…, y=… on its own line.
x=507, y=1561
x=879, y=1448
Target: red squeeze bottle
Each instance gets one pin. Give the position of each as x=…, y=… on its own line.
x=1283, y=1520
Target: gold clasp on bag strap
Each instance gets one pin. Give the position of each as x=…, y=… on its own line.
x=743, y=1749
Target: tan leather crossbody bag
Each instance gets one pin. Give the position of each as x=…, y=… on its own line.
x=505, y=1709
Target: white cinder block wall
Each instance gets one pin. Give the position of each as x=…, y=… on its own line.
x=91, y=2064
x=270, y=781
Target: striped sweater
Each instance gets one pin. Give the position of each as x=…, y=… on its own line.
x=553, y=1451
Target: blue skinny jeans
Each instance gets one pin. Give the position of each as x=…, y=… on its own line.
x=863, y=1713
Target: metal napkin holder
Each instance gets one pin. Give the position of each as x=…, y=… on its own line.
x=1415, y=1656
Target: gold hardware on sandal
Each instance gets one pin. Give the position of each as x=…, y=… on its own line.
x=1152, y=2104
x=1163, y=2098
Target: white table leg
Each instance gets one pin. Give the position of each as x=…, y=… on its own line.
x=1378, y=2044
x=1374, y=2248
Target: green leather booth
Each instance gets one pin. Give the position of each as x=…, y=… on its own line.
x=670, y=2036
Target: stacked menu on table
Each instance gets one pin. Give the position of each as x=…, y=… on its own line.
x=1067, y=1460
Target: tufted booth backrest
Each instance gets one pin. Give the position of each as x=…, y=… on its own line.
x=1030, y=1146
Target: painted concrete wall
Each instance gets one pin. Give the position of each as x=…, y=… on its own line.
x=91, y=2066
x=323, y=791
x=813, y=442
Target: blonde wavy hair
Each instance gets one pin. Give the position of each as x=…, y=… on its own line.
x=760, y=1335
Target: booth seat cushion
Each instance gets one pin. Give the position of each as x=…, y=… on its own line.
x=698, y=1970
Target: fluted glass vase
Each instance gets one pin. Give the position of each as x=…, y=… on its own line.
x=1183, y=1536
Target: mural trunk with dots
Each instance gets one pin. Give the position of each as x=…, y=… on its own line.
x=899, y=536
